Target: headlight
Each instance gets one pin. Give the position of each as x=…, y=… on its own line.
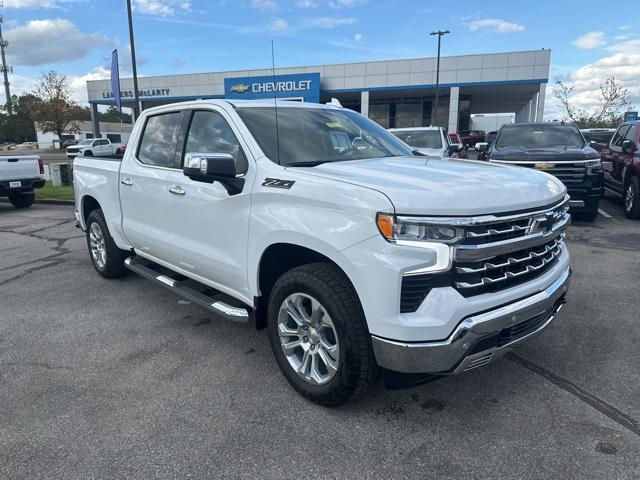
x=593, y=163
x=413, y=229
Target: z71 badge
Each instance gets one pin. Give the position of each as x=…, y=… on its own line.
x=277, y=183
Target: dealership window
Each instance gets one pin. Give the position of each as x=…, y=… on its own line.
x=408, y=115
x=159, y=140
x=88, y=136
x=114, y=137
x=380, y=114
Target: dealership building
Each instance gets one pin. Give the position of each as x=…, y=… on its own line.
x=394, y=93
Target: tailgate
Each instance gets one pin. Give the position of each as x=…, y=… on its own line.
x=18, y=167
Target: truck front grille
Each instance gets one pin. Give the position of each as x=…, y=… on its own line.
x=571, y=174
x=496, y=253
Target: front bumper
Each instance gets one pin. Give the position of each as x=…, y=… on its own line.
x=478, y=339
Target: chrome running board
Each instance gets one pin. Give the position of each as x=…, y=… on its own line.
x=218, y=302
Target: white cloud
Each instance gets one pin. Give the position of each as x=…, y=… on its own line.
x=357, y=37
x=345, y=3
x=161, y=8
x=590, y=40
x=19, y=85
x=495, y=24
x=78, y=84
x=265, y=5
x=41, y=42
x=37, y=3
x=278, y=25
x=307, y=4
x=624, y=27
x=329, y=22
x=623, y=64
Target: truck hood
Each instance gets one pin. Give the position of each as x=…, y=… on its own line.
x=554, y=154
x=420, y=186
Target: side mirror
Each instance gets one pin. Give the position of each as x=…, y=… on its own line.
x=593, y=143
x=211, y=167
x=482, y=146
x=628, y=146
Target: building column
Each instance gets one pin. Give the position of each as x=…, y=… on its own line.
x=525, y=111
x=95, y=120
x=540, y=109
x=454, y=100
x=364, y=103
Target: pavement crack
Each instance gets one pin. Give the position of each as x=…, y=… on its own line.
x=53, y=262
x=44, y=365
x=621, y=418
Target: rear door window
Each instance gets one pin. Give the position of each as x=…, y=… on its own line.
x=619, y=135
x=631, y=134
x=160, y=139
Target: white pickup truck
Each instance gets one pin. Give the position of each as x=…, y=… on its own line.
x=324, y=228
x=93, y=148
x=19, y=175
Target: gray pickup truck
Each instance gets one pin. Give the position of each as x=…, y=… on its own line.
x=19, y=175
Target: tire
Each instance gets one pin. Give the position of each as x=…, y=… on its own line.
x=23, y=200
x=342, y=327
x=107, y=258
x=632, y=199
x=592, y=214
x=88, y=154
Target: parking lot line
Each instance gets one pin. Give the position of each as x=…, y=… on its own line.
x=603, y=213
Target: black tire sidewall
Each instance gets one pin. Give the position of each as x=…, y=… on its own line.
x=634, y=212
x=114, y=263
x=23, y=200
x=342, y=385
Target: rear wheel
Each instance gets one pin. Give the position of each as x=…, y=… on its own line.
x=632, y=199
x=24, y=200
x=107, y=258
x=319, y=335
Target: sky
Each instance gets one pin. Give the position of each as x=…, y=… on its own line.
x=588, y=41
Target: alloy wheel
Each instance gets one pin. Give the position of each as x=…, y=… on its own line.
x=308, y=338
x=98, y=248
x=630, y=197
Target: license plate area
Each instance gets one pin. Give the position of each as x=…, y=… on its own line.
x=15, y=184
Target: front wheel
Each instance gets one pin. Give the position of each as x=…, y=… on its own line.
x=107, y=258
x=590, y=216
x=319, y=335
x=24, y=200
x=88, y=153
x=632, y=199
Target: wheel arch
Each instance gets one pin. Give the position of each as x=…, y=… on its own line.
x=280, y=257
x=88, y=205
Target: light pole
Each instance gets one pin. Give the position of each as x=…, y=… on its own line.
x=138, y=107
x=440, y=34
x=5, y=69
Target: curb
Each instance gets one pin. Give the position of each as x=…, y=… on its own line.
x=44, y=201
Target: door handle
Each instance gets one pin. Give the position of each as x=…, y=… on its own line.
x=176, y=190
x=126, y=181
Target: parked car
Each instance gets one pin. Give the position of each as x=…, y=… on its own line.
x=455, y=141
x=26, y=146
x=430, y=141
x=121, y=149
x=621, y=162
x=19, y=175
x=69, y=142
x=598, y=138
x=351, y=252
x=471, y=137
x=93, y=147
x=558, y=149
x=491, y=137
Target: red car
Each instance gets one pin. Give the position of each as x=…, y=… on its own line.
x=454, y=139
x=471, y=137
x=621, y=164
x=121, y=149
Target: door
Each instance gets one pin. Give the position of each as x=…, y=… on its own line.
x=209, y=227
x=613, y=163
x=143, y=184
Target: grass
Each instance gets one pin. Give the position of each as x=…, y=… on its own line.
x=49, y=192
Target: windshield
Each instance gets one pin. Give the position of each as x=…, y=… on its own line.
x=85, y=142
x=309, y=136
x=540, y=136
x=600, y=137
x=420, y=138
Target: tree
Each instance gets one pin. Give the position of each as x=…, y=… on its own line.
x=113, y=115
x=19, y=127
x=56, y=112
x=614, y=101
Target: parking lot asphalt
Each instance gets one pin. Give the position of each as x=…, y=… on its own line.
x=114, y=379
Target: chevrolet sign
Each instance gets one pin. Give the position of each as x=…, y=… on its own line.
x=303, y=85
x=544, y=165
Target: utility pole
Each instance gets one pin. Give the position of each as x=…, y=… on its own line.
x=440, y=34
x=5, y=69
x=138, y=107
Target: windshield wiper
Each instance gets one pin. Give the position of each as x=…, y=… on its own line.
x=308, y=164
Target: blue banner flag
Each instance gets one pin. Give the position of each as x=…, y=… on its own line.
x=115, y=79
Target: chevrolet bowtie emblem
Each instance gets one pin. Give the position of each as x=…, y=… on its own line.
x=545, y=165
x=240, y=88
